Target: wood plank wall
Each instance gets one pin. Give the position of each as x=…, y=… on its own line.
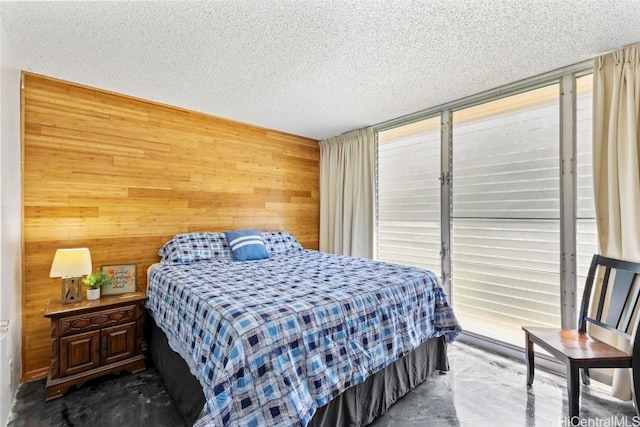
x=121, y=176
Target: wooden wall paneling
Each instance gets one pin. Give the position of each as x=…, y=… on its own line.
x=121, y=176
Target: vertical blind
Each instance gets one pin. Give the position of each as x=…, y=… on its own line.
x=506, y=214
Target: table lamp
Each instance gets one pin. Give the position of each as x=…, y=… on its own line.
x=71, y=265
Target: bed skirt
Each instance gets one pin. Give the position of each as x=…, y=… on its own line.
x=357, y=406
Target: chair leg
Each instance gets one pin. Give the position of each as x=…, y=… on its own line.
x=573, y=391
x=530, y=360
x=585, y=376
x=635, y=383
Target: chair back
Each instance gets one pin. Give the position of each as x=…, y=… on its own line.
x=617, y=302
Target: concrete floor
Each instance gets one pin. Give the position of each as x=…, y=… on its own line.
x=481, y=389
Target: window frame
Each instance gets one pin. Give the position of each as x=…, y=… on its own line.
x=568, y=204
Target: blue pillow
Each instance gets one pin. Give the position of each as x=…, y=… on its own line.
x=246, y=245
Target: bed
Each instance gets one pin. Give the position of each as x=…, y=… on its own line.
x=299, y=337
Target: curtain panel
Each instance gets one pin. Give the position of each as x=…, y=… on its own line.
x=616, y=170
x=347, y=184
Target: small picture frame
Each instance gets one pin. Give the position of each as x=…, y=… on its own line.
x=123, y=278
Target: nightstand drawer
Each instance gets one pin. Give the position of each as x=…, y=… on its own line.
x=91, y=321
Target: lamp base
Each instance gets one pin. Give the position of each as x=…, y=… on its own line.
x=71, y=289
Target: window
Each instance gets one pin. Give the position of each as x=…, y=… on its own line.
x=510, y=222
x=506, y=214
x=409, y=195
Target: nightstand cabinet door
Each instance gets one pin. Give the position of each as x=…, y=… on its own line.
x=118, y=343
x=79, y=352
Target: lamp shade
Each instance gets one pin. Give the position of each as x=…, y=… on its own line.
x=71, y=263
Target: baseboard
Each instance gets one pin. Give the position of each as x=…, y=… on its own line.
x=34, y=375
x=511, y=351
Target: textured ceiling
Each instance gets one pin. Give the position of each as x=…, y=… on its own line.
x=312, y=68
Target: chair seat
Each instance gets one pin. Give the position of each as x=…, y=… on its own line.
x=576, y=346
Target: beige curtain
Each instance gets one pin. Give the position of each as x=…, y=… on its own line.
x=616, y=170
x=347, y=193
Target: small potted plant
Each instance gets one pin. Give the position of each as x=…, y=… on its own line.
x=94, y=282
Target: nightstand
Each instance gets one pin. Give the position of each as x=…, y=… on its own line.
x=93, y=338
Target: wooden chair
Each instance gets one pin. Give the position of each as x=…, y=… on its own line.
x=615, y=309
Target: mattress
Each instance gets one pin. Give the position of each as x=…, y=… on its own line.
x=273, y=340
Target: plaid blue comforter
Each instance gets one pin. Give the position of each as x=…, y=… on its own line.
x=272, y=340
